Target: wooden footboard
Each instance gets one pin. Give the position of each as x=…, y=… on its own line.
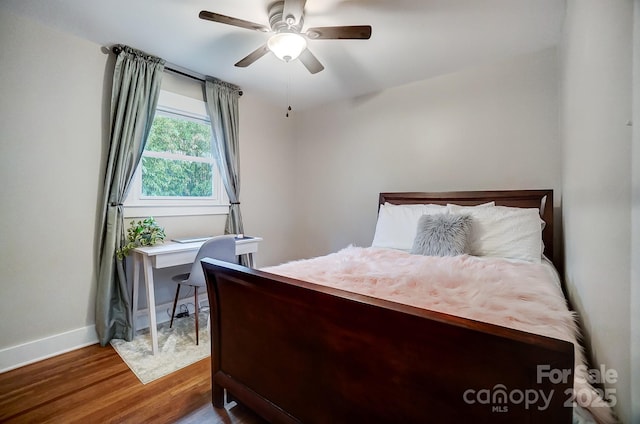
x=298, y=352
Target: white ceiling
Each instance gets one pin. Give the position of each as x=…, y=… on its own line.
x=411, y=39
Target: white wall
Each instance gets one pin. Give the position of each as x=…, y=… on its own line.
x=491, y=127
x=596, y=106
x=635, y=222
x=267, y=163
x=53, y=118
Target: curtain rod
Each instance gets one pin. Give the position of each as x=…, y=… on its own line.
x=118, y=49
x=185, y=74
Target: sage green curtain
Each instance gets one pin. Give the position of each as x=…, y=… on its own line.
x=134, y=96
x=222, y=106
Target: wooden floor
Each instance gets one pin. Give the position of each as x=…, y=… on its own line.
x=93, y=385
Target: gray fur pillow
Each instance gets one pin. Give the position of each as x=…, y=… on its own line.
x=442, y=235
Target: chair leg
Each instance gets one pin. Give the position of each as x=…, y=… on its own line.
x=175, y=303
x=197, y=313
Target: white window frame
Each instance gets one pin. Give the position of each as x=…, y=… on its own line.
x=137, y=205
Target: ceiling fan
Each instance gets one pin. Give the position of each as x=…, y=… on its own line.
x=288, y=42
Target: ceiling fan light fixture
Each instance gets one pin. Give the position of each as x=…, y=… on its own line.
x=287, y=46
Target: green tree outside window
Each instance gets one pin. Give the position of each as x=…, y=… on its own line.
x=177, y=159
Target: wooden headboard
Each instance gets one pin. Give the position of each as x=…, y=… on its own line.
x=541, y=199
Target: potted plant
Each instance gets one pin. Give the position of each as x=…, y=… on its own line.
x=142, y=233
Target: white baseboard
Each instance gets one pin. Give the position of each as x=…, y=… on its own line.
x=27, y=353
x=37, y=350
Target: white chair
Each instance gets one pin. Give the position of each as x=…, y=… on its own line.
x=220, y=247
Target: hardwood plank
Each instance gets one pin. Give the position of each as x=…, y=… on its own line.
x=93, y=384
x=43, y=382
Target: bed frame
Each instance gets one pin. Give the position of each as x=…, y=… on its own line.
x=294, y=351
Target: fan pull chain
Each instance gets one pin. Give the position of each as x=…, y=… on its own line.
x=288, y=98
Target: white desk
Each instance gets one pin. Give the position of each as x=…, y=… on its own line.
x=164, y=256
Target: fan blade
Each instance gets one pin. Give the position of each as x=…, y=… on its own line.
x=355, y=32
x=293, y=8
x=215, y=17
x=253, y=56
x=310, y=61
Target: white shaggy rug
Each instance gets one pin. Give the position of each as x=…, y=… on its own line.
x=177, y=348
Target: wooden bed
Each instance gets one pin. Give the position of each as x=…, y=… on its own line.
x=294, y=351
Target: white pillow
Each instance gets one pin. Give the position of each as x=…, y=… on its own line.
x=397, y=224
x=505, y=232
x=482, y=205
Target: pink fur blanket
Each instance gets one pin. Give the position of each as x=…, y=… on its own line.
x=519, y=295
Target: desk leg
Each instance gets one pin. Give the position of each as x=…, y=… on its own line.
x=151, y=302
x=136, y=290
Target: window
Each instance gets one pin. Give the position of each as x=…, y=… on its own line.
x=177, y=174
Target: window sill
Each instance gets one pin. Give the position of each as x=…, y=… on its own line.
x=144, y=211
